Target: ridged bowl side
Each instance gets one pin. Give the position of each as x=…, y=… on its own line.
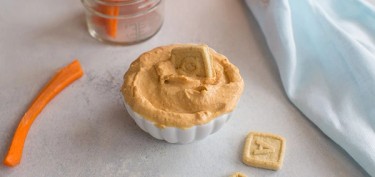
x=178, y=135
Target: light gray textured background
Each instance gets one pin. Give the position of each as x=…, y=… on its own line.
x=85, y=131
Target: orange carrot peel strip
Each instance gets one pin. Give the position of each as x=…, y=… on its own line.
x=62, y=79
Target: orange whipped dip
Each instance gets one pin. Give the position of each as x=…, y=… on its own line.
x=157, y=90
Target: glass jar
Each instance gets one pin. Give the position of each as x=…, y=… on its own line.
x=123, y=21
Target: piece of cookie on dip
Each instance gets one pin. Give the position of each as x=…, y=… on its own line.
x=181, y=92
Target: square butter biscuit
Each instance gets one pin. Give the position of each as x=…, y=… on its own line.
x=264, y=150
x=193, y=60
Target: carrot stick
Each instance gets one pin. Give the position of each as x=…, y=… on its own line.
x=111, y=24
x=62, y=79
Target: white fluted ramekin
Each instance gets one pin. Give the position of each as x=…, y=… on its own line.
x=175, y=134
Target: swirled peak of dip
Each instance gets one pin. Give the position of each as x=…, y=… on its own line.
x=182, y=85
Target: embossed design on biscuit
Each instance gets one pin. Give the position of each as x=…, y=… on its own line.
x=264, y=150
x=193, y=61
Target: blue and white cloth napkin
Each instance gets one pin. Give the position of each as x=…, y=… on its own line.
x=325, y=52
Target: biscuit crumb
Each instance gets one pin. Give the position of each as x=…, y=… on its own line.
x=264, y=150
x=238, y=174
